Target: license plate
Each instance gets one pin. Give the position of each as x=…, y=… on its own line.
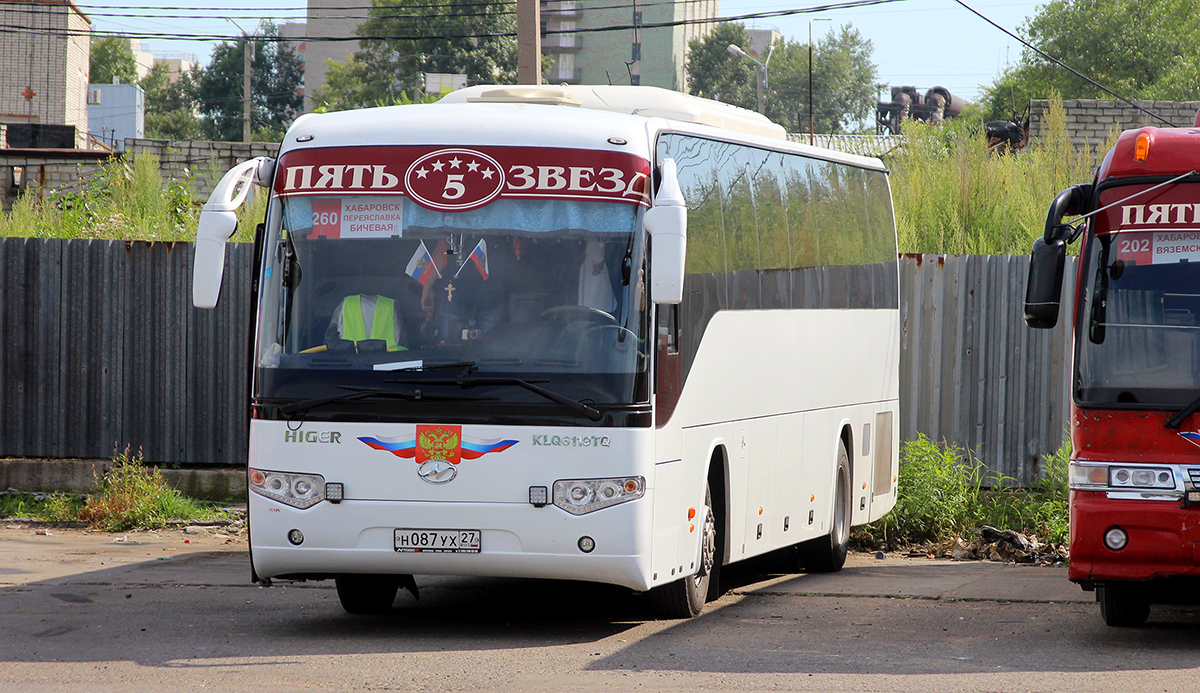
x=409, y=540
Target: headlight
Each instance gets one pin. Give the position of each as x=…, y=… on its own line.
x=1095, y=476
x=580, y=496
x=297, y=490
x=1141, y=477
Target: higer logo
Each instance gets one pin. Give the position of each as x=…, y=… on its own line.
x=312, y=437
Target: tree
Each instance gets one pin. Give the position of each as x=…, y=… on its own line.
x=1141, y=49
x=843, y=93
x=170, y=108
x=715, y=73
x=274, y=87
x=387, y=70
x=112, y=59
x=843, y=77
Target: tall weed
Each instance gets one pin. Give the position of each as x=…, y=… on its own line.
x=953, y=196
x=944, y=492
x=122, y=201
x=133, y=496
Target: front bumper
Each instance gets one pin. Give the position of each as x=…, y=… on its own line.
x=1164, y=539
x=518, y=540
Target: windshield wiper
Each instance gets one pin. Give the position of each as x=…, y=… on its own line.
x=1177, y=418
x=467, y=380
x=369, y=392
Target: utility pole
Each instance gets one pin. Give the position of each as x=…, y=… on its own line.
x=247, y=73
x=811, y=136
x=529, y=42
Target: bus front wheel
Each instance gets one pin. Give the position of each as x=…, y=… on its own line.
x=1123, y=605
x=367, y=594
x=827, y=554
x=685, y=598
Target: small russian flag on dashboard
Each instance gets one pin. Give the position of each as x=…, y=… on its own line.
x=479, y=257
x=422, y=267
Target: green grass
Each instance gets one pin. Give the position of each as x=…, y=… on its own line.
x=129, y=495
x=945, y=493
x=953, y=196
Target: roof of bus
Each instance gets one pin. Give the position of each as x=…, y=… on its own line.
x=1170, y=151
x=648, y=102
x=480, y=122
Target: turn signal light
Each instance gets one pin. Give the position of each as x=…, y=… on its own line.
x=1141, y=147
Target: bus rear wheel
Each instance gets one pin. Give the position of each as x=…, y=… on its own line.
x=827, y=554
x=367, y=594
x=1123, y=605
x=685, y=598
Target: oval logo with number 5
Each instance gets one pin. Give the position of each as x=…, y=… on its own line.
x=454, y=180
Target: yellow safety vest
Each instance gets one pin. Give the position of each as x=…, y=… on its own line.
x=382, y=327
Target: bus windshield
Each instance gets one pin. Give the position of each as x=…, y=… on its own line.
x=1139, y=320
x=371, y=291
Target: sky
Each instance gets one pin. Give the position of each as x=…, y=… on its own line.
x=923, y=43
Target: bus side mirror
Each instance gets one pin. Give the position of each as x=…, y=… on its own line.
x=218, y=221
x=1044, y=286
x=666, y=222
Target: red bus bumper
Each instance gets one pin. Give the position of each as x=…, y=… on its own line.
x=1164, y=539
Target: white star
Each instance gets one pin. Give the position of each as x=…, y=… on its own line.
x=455, y=162
x=422, y=172
x=487, y=173
x=472, y=166
x=437, y=166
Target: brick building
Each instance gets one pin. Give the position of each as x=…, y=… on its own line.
x=44, y=80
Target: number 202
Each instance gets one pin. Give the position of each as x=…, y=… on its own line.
x=1137, y=245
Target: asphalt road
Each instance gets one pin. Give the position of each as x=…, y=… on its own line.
x=174, y=611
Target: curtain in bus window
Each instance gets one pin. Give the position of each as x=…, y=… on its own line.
x=737, y=208
x=527, y=216
x=701, y=191
x=769, y=183
x=802, y=237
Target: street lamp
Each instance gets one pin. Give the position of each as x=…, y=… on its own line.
x=811, y=138
x=762, y=72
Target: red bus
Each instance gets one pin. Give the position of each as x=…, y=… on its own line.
x=1135, y=467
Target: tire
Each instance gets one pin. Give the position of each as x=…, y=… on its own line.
x=1123, y=605
x=685, y=597
x=827, y=554
x=367, y=594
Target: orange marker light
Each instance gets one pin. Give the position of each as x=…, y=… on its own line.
x=691, y=528
x=1141, y=147
x=811, y=498
x=691, y=513
x=864, y=484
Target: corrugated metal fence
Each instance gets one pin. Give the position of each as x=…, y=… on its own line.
x=100, y=347
x=971, y=372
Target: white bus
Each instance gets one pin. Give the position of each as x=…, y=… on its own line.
x=612, y=334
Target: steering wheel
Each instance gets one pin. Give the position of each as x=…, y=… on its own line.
x=577, y=312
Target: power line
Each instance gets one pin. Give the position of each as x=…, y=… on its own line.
x=171, y=15
x=1063, y=65
x=478, y=35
